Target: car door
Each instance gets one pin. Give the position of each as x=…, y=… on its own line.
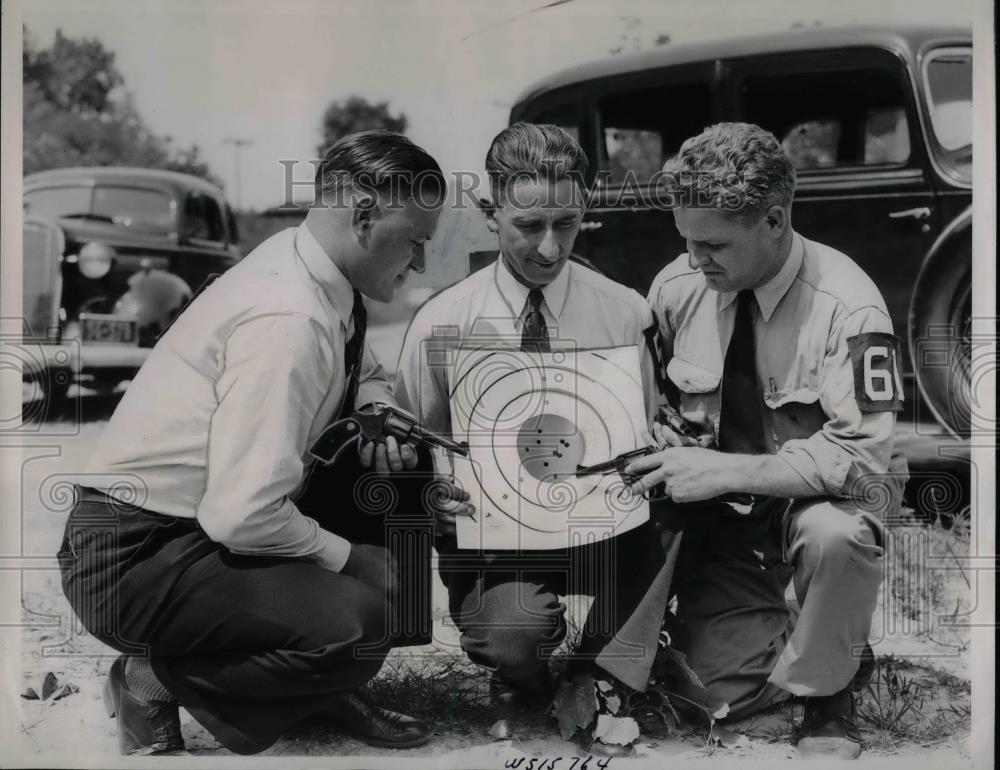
x=848, y=121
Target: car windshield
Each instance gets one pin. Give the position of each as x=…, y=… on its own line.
x=948, y=80
x=134, y=208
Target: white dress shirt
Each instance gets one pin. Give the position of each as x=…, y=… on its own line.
x=218, y=422
x=582, y=309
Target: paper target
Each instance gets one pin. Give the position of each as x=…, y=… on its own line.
x=530, y=419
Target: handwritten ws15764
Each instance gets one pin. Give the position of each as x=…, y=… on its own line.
x=564, y=763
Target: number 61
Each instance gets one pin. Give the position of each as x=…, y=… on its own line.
x=879, y=381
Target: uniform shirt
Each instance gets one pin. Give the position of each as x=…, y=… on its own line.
x=218, y=421
x=805, y=319
x=582, y=309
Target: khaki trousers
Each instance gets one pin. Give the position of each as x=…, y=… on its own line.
x=732, y=619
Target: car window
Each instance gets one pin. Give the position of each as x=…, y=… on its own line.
x=832, y=119
x=203, y=219
x=948, y=84
x=57, y=202
x=643, y=128
x=566, y=116
x=135, y=208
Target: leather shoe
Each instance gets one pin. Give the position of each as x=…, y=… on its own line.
x=829, y=728
x=373, y=724
x=144, y=727
x=529, y=694
x=598, y=748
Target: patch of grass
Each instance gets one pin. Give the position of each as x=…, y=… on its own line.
x=907, y=703
x=927, y=592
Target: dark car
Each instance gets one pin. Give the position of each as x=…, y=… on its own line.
x=878, y=123
x=110, y=257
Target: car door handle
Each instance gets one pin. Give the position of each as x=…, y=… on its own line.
x=590, y=225
x=923, y=212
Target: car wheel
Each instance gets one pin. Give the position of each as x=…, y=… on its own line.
x=941, y=337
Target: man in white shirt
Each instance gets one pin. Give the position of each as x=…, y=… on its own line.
x=784, y=347
x=506, y=604
x=187, y=550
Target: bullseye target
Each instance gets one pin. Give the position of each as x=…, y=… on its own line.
x=530, y=419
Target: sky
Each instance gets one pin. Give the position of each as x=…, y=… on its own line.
x=203, y=71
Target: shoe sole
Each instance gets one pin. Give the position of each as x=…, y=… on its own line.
x=394, y=744
x=817, y=748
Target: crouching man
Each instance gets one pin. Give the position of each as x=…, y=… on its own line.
x=785, y=349
x=191, y=549
x=506, y=602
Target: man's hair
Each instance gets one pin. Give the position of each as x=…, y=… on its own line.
x=380, y=161
x=738, y=168
x=535, y=151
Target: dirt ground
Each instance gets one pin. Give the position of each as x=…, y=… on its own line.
x=918, y=703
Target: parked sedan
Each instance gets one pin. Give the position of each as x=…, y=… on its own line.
x=110, y=257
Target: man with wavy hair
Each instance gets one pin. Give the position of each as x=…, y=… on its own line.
x=782, y=350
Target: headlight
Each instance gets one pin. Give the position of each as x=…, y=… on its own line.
x=95, y=259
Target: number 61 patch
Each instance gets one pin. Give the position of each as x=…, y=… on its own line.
x=875, y=359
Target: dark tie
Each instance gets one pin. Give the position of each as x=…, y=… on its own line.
x=353, y=351
x=535, y=335
x=741, y=427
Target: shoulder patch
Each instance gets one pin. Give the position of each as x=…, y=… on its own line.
x=875, y=361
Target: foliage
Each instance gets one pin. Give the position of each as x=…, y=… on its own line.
x=615, y=713
x=356, y=113
x=909, y=703
x=77, y=113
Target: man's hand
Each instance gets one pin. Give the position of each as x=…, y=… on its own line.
x=699, y=422
x=446, y=501
x=689, y=473
x=388, y=456
x=374, y=565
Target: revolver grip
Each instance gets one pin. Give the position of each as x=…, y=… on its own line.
x=335, y=438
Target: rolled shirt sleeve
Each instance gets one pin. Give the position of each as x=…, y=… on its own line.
x=853, y=445
x=277, y=371
x=421, y=379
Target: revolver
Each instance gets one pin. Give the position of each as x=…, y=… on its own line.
x=376, y=422
x=620, y=462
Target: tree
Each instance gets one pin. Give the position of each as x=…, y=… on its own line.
x=78, y=113
x=356, y=113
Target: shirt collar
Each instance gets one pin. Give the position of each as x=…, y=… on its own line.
x=769, y=294
x=515, y=293
x=325, y=273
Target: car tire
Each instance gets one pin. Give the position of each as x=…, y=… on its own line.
x=940, y=331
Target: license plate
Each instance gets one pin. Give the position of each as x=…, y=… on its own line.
x=109, y=329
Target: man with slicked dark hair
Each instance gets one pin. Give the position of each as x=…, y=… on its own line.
x=235, y=579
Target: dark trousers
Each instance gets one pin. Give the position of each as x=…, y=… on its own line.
x=507, y=609
x=249, y=645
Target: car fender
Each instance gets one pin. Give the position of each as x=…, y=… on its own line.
x=153, y=297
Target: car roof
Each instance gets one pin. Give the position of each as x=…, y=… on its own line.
x=904, y=39
x=162, y=178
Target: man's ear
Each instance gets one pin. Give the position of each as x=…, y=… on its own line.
x=777, y=220
x=490, y=212
x=364, y=213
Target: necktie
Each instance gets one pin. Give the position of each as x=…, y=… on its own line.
x=741, y=427
x=353, y=351
x=535, y=335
